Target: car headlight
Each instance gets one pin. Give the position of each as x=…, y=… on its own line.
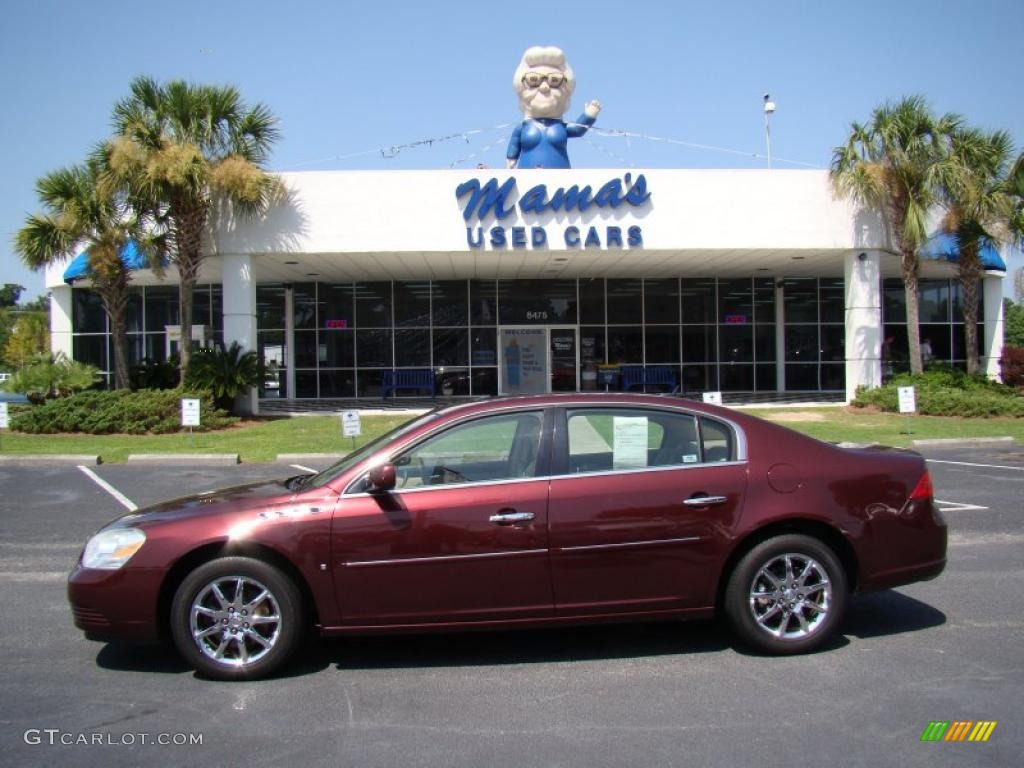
x=112, y=548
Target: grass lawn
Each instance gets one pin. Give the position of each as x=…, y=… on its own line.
x=262, y=440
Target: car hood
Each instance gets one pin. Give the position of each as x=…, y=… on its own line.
x=250, y=496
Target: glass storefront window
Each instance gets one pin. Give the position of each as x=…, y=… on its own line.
x=306, y=351
x=625, y=301
x=304, y=304
x=89, y=316
x=269, y=307
x=91, y=349
x=537, y=302
x=483, y=302
x=449, y=298
x=336, y=348
x=335, y=306
x=450, y=347
x=373, y=306
x=735, y=302
x=737, y=343
x=373, y=348
x=592, y=300
x=832, y=300
x=412, y=304
x=337, y=383
x=661, y=344
x=661, y=301
x=698, y=300
x=700, y=343
x=801, y=299
x=484, y=346
x=764, y=300
x=412, y=347
x=625, y=344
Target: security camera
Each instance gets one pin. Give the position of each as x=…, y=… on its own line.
x=769, y=105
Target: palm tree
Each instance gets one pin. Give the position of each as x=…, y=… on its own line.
x=179, y=144
x=82, y=212
x=893, y=164
x=979, y=212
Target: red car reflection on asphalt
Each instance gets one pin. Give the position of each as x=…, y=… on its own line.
x=522, y=512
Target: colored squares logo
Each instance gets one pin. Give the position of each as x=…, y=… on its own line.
x=958, y=730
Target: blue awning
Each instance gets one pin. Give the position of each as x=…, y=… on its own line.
x=78, y=269
x=942, y=245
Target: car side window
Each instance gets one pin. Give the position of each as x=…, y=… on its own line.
x=494, y=448
x=716, y=441
x=603, y=439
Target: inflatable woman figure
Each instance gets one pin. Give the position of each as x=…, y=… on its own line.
x=545, y=82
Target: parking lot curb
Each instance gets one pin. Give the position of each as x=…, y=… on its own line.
x=185, y=459
x=44, y=458
x=288, y=458
x=942, y=441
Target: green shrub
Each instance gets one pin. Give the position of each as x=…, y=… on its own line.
x=50, y=376
x=119, y=412
x=225, y=373
x=946, y=391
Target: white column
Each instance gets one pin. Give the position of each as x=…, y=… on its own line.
x=780, y=336
x=992, y=350
x=863, y=321
x=240, y=313
x=289, y=338
x=60, y=320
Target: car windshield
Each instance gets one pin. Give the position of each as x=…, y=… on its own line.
x=349, y=461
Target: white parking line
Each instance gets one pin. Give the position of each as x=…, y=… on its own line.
x=124, y=500
x=956, y=506
x=970, y=464
x=304, y=469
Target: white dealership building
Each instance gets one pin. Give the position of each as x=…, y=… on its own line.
x=357, y=285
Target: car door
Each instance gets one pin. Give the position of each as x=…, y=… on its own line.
x=641, y=508
x=463, y=535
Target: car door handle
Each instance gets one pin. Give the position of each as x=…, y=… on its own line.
x=705, y=501
x=507, y=517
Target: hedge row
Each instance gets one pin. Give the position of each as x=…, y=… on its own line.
x=947, y=392
x=153, y=411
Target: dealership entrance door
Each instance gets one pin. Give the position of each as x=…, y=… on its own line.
x=536, y=360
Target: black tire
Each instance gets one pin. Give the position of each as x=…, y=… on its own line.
x=795, y=615
x=232, y=635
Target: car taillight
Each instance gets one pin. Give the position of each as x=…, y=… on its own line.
x=923, y=491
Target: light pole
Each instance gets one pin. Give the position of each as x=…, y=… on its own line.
x=769, y=108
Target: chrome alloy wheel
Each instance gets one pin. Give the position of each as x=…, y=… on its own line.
x=235, y=620
x=790, y=596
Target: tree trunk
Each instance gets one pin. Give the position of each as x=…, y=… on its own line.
x=115, y=303
x=190, y=220
x=970, y=271
x=908, y=263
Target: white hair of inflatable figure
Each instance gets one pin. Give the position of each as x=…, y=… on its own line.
x=544, y=56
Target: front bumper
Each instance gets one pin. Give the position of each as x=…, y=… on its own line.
x=115, y=605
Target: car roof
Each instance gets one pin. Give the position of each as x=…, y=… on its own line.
x=567, y=399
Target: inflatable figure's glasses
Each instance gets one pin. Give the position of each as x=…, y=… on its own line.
x=534, y=79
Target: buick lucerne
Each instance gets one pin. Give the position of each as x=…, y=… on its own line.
x=522, y=512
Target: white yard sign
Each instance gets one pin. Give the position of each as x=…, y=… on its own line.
x=4, y=424
x=715, y=398
x=189, y=412
x=350, y=424
x=907, y=403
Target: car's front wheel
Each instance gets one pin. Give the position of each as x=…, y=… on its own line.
x=236, y=618
x=786, y=595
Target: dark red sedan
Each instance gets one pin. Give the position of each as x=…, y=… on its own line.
x=522, y=512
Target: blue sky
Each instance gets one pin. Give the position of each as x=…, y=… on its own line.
x=348, y=79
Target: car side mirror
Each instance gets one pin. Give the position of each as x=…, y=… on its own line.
x=382, y=478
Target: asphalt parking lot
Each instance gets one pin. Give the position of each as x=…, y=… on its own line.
x=649, y=694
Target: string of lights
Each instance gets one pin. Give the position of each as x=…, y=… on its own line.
x=388, y=153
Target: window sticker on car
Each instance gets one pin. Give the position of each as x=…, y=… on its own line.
x=629, y=449
x=689, y=458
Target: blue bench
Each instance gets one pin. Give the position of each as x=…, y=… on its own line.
x=638, y=377
x=418, y=379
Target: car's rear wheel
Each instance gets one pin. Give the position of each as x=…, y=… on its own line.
x=236, y=618
x=787, y=595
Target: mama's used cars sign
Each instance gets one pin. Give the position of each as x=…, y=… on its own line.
x=479, y=201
